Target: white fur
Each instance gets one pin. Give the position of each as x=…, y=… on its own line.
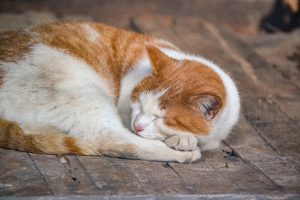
x=146, y=112
x=92, y=34
x=128, y=82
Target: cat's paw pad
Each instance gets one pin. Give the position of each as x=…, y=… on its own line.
x=182, y=142
x=190, y=157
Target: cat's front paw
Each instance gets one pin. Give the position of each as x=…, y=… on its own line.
x=182, y=142
x=190, y=156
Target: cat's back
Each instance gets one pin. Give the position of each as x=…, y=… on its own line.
x=40, y=63
x=76, y=50
x=109, y=51
x=81, y=39
x=53, y=55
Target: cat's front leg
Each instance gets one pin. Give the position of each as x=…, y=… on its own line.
x=182, y=142
x=128, y=145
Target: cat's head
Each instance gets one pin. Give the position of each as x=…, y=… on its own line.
x=179, y=97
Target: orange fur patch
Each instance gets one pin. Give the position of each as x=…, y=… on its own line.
x=12, y=137
x=13, y=45
x=71, y=145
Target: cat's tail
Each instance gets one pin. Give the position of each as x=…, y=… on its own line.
x=13, y=137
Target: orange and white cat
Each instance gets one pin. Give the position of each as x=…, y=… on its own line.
x=90, y=89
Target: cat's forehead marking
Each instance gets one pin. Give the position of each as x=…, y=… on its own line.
x=150, y=102
x=92, y=34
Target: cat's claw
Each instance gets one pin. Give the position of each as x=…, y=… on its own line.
x=182, y=142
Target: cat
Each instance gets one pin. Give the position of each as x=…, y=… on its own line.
x=90, y=89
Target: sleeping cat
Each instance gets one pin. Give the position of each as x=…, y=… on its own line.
x=90, y=89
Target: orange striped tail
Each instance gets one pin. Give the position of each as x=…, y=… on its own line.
x=13, y=137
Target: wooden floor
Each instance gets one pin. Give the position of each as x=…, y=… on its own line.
x=259, y=160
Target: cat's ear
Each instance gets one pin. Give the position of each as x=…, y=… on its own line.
x=158, y=59
x=208, y=105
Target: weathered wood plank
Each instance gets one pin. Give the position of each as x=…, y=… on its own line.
x=283, y=170
x=111, y=176
x=282, y=136
x=269, y=75
x=221, y=172
x=275, y=127
x=202, y=177
x=166, y=197
x=19, y=175
x=281, y=91
x=259, y=152
x=279, y=50
x=64, y=174
x=156, y=177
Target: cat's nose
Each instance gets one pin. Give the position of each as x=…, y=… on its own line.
x=138, y=128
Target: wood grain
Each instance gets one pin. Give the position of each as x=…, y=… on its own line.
x=20, y=176
x=64, y=174
x=111, y=176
